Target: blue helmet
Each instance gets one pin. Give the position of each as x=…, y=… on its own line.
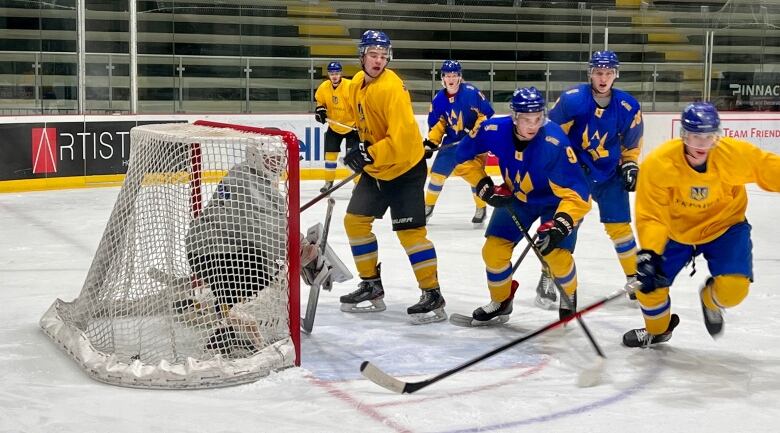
x=527, y=100
x=375, y=38
x=334, y=67
x=451, y=66
x=700, y=117
x=604, y=60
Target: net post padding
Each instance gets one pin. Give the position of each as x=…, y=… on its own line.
x=129, y=325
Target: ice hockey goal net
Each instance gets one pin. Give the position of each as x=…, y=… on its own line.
x=195, y=281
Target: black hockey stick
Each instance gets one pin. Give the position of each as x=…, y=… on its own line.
x=561, y=292
x=379, y=377
x=322, y=195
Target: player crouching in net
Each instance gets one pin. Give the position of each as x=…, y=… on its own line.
x=691, y=200
x=542, y=180
x=229, y=270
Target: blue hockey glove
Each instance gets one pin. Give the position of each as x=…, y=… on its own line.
x=553, y=232
x=358, y=157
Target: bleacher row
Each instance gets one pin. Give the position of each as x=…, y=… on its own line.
x=250, y=56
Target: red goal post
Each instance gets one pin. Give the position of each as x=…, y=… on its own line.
x=294, y=221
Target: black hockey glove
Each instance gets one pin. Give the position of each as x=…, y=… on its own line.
x=553, y=232
x=630, y=172
x=649, y=271
x=496, y=196
x=358, y=157
x=320, y=114
x=430, y=147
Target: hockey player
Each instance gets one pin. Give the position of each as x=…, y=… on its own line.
x=331, y=99
x=542, y=180
x=456, y=110
x=691, y=200
x=391, y=158
x=236, y=248
x=605, y=129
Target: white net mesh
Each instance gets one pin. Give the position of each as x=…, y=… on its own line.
x=189, y=285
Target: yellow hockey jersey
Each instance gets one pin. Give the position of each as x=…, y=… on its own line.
x=384, y=117
x=674, y=201
x=336, y=102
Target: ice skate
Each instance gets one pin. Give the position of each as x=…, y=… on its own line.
x=431, y=301
x=428, y=212
x=492, y=314
x=479, y=217
x=546, y=293
x=641, y=338
x=369, y=290
x=713, y=318
x=328, y=185
x=564, y=310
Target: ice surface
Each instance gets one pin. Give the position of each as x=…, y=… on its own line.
x=691, y=384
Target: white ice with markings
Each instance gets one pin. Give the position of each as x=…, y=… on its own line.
x=691, y=384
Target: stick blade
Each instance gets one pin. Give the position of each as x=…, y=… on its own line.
x=592, y=375
x=379, y=377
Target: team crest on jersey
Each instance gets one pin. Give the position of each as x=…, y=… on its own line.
x=699, y=192
x=491, y=127
x=335, y=100
x=551, y=139
x=626, y=105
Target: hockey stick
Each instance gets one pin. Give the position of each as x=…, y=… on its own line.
x=322, y=195
x=343, y=125
x=589, y=376
x=561, y=291
x=379, y=377
x=307, y=322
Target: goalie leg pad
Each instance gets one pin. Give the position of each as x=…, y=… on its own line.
x=324, y=266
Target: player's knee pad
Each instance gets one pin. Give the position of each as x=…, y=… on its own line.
x=729, y=290
x=331, y=156
x=619, y=232
x=412, y=239
x=562, y=266
x=496, y=252
x=472, y=171
x=357, y=226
